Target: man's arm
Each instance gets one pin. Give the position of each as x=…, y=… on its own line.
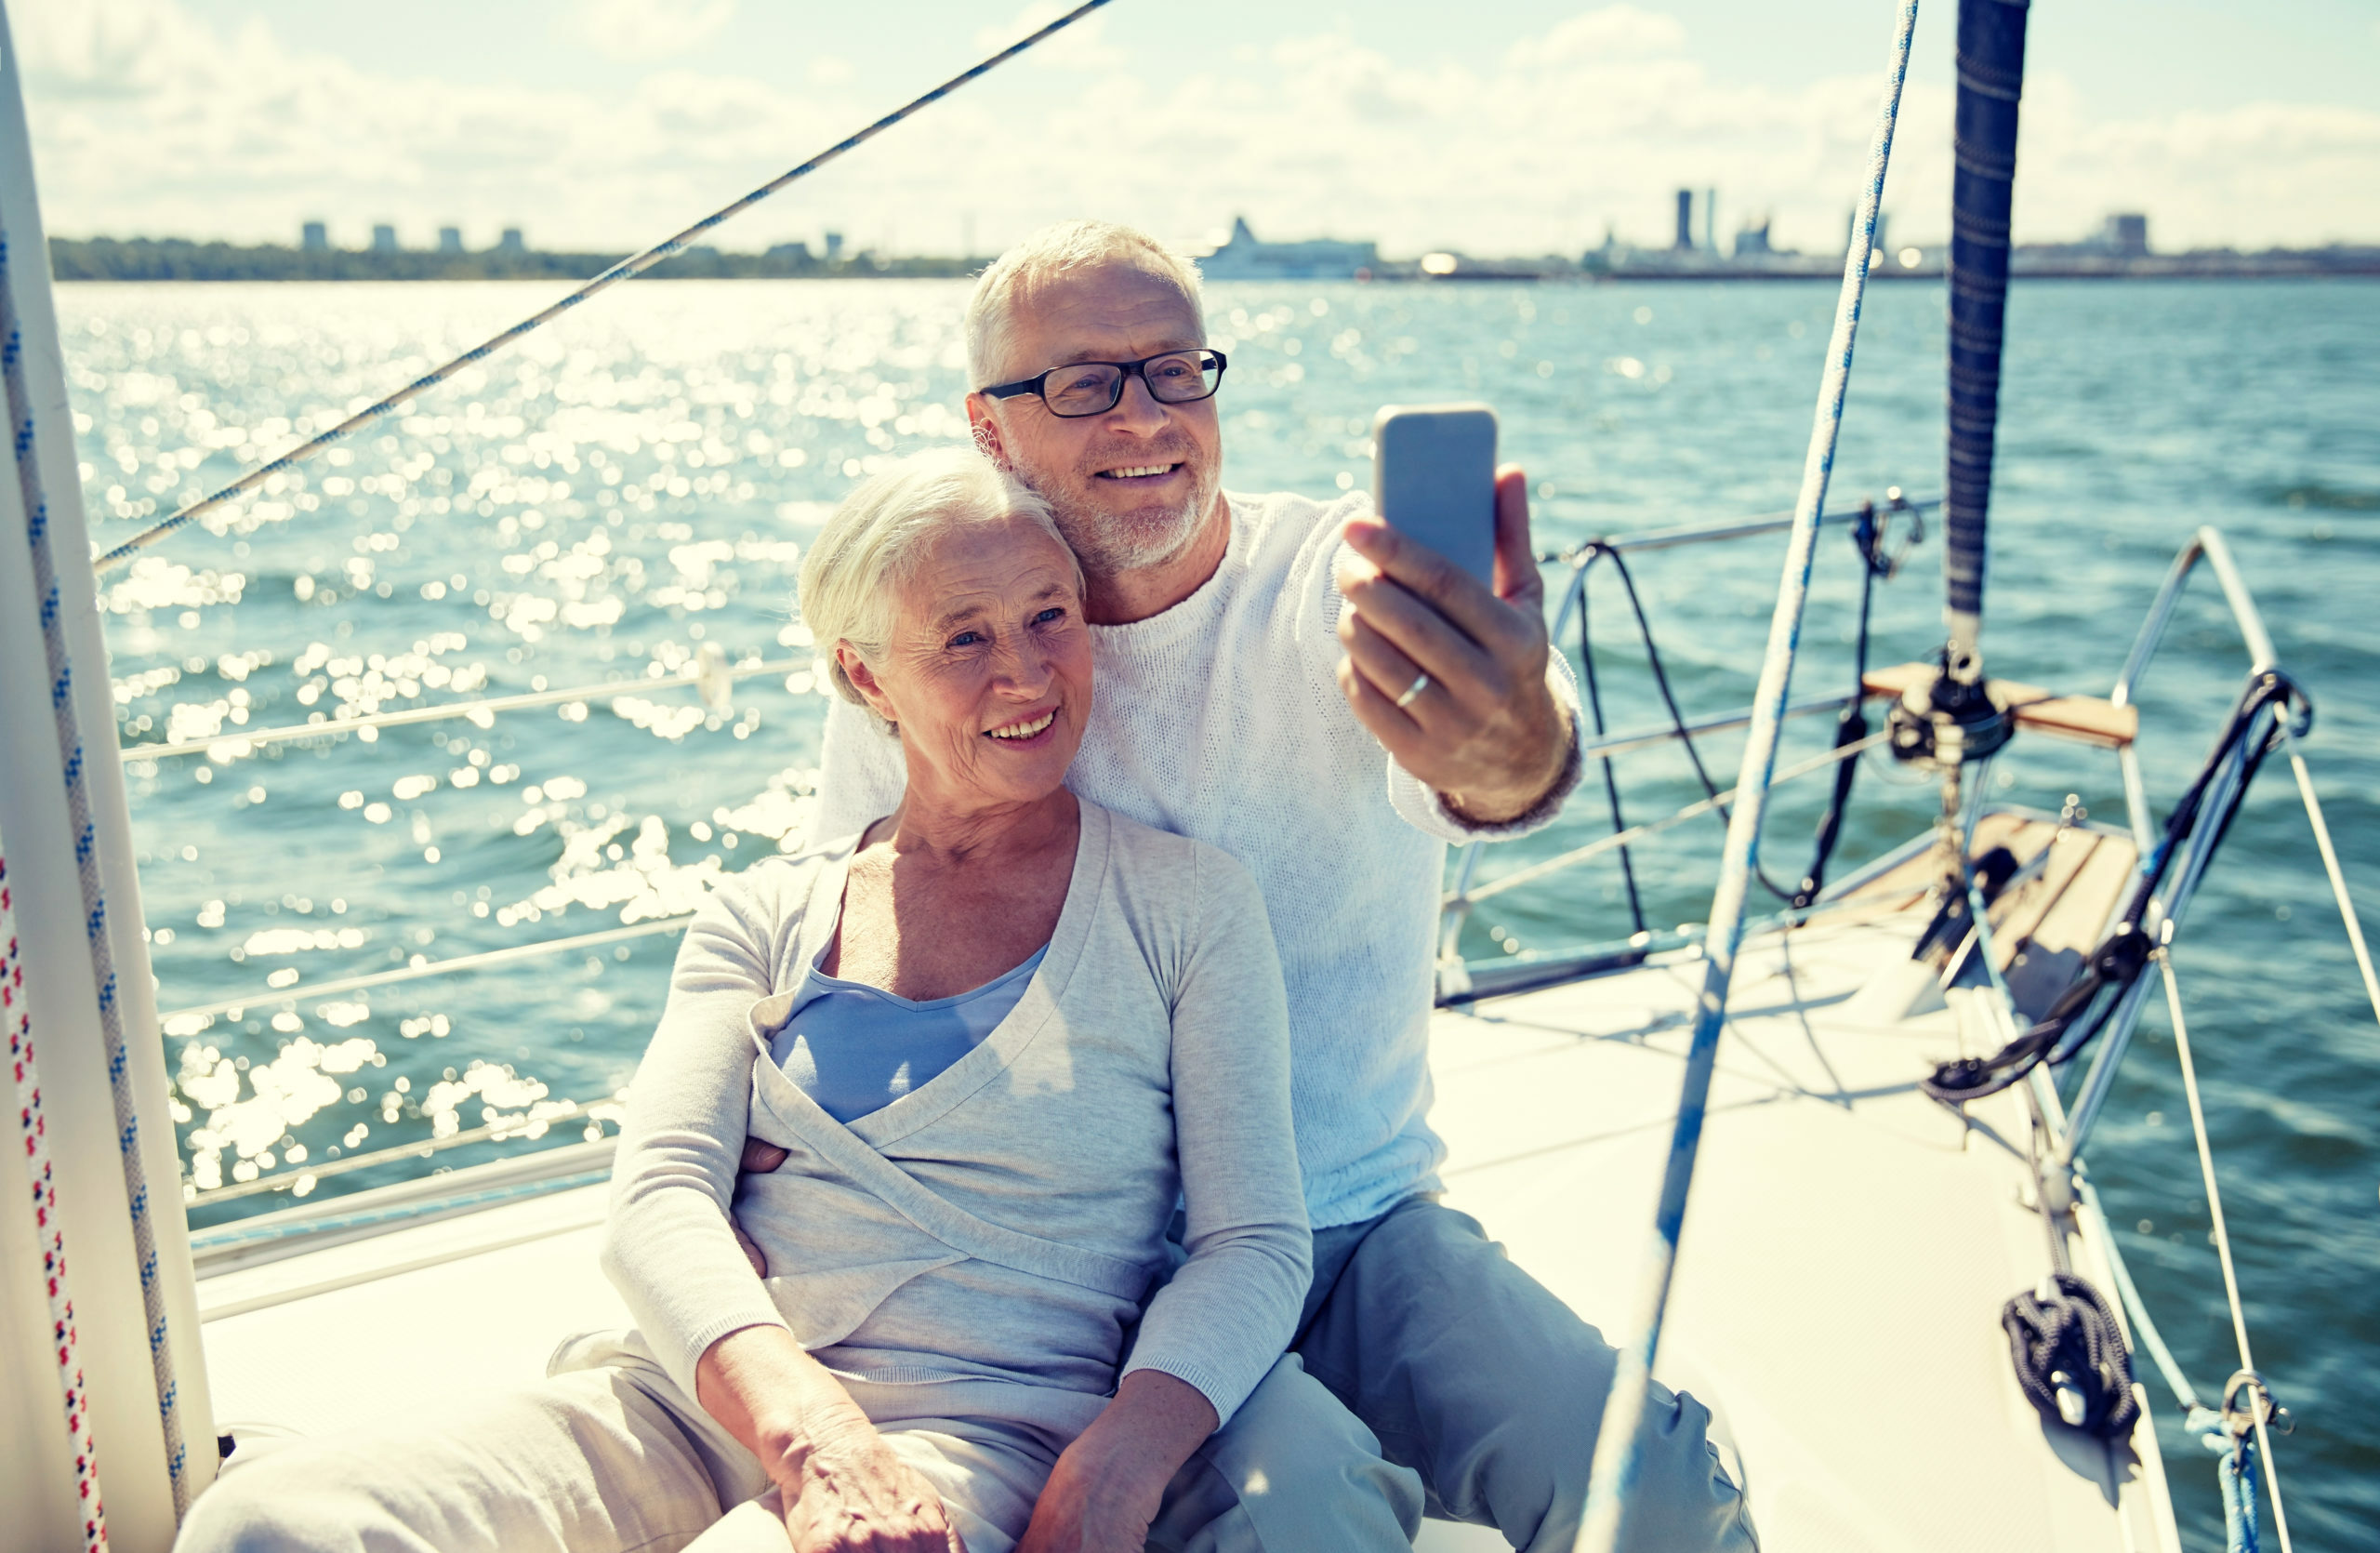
x=1478, y=720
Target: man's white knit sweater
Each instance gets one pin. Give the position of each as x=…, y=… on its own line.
x=1221, y=719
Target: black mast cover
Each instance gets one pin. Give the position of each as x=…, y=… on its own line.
x=1991, y=78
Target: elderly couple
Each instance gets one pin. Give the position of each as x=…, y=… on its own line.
x=1042, y=1162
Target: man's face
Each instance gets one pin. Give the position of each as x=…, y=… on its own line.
x=1130, y=488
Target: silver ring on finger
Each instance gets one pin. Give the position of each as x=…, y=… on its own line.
x=1413, y=692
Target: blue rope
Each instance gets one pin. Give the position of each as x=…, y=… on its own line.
x=626, y=269
x=1619, y=1443
x=86, y=862
x=2235, y=1472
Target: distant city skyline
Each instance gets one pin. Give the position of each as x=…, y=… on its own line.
x=1529, y=128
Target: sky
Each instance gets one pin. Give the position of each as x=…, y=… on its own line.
x=1494, y=127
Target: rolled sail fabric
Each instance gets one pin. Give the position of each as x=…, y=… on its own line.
x=1991, y=79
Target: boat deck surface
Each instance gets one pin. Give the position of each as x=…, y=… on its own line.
x=1846, y=1253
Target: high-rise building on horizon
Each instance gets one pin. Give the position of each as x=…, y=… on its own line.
x=834, y=247
x=450, y=240
x=511, y=242
x=384, y=238
x=314, y=238
x=1684, y=242
x=2126, y=232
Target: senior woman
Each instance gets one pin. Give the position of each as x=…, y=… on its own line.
x=998, y=1037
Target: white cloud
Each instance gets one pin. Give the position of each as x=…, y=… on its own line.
x=635, y=30
x=148, y=120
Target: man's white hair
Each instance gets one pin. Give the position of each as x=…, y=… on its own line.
x=852, y=577
x=1048, y=255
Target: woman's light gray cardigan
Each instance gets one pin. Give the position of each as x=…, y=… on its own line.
x=992, y=1233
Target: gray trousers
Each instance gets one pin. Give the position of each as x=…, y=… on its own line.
x=1481, y=1395
x=1430, y=1375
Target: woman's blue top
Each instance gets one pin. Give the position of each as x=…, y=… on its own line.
x=856, y=1048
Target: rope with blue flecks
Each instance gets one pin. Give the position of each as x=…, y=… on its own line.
x=1618, y=1451
x=626, y=269
x=19, y=1020
x=87, y=859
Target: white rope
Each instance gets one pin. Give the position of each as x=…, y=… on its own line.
x=35, y=1132
x=1617, y=1444
x=2256, y=1408
x=626, y=269
x=93, y=894
x=2330, y=867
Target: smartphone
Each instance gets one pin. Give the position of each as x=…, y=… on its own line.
x=1433, y=478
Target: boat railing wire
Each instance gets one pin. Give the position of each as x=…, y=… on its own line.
x=1871, y=527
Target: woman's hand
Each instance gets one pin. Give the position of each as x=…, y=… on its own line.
x=1109, y=1483
x=839, y=1485
x=850, y=1493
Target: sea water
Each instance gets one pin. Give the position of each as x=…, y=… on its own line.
x=634, y=486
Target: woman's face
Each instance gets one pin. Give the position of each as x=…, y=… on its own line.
x=987, y=673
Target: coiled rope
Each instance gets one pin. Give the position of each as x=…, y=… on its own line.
x=626, y=269
x=2071, y=1360
x=36, y=1134
x=86, y=858
x=1618, y=1445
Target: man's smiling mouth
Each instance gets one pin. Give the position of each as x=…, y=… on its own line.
x=1138, y=471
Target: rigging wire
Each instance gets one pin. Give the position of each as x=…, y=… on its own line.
x=2259, y=1403
x=97, y=929
x=1594, y=708
x=1851, y=726
x=626, y=269
x=1617, y=1444
x=2330, y=867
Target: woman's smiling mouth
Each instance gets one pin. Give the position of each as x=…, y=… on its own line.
x=1024, y=732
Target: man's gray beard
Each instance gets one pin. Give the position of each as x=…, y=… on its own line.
x=1110, y=544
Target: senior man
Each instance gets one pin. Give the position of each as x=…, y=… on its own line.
x=1332, y=704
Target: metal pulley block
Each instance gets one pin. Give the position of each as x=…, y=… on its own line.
x=1940, y=723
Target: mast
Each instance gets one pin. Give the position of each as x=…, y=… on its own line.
x=1991, y=78
x=1946, y=723
x=70, y=1007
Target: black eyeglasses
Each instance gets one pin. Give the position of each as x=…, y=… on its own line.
x=1095, y=388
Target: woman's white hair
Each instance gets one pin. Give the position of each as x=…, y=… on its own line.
x=1046, y=256
x=870, y=550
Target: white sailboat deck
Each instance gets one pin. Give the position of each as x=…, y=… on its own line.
x=1845, y=1256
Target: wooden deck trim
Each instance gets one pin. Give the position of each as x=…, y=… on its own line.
x=2092, y=720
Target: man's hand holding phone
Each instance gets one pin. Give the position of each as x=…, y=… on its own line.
x=1448, y=673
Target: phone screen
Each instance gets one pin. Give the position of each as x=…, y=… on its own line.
x=1433, y=478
